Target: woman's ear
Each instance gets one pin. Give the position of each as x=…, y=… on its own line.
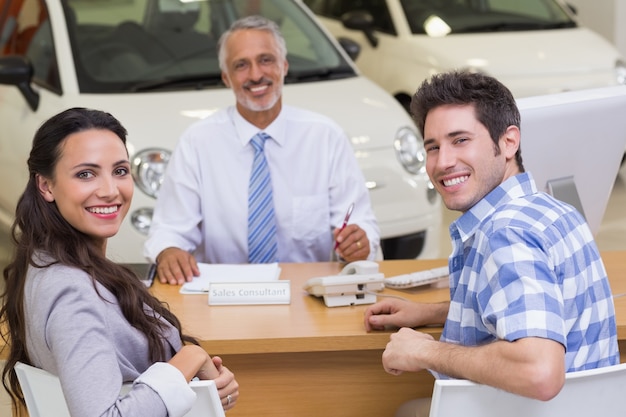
x=44, y=187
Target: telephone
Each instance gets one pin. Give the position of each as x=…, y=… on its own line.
x=353, y=286
x=360, y=268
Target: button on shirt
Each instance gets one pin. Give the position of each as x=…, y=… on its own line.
x=203, y=201
x=526, y=265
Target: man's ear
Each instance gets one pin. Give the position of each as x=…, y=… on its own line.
x=286, y=67
x=44, y=187
x=512, y=138
x=225, y=79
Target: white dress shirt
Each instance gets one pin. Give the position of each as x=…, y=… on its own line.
x=203, y=201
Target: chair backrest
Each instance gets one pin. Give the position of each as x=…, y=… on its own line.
x=208, y=403
x=599, y=392
x=44, y=397
x=42, y=392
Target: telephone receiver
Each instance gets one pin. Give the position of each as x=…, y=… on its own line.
x=360, y=268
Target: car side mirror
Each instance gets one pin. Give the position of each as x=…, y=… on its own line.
x=352, y=48
x=17, y=70
x=363, y=21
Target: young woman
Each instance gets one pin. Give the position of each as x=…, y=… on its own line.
x=69, y=310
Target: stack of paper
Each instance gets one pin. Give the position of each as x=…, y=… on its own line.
x=211, y=273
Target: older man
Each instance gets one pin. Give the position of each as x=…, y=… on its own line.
x=259, y=181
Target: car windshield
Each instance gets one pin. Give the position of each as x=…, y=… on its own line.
x=150, y=45
x=443, y=17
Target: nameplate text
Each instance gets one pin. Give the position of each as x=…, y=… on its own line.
x=245, y=293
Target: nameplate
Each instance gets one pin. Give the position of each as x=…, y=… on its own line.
x=243, y=293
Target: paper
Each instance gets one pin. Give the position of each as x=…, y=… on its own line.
x=210, y=273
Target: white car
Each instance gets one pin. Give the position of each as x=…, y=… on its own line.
x=153, y=65
x=534, y=47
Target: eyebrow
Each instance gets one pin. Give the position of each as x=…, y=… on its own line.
x=93, y=165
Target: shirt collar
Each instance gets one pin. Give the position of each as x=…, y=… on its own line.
x=514, y=187
x=246, y=130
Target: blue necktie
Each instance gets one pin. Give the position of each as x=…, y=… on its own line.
x=262, y=246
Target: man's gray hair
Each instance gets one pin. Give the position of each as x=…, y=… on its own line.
x=251, y=22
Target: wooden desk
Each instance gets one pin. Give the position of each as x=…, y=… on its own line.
x=305, y=359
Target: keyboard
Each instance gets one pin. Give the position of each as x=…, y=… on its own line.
x=416, y=279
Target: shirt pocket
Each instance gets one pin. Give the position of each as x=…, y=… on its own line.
x=311, y=217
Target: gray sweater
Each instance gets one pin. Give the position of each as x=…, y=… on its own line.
x=75, y=334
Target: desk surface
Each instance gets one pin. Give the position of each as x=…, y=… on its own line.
x=307, y=325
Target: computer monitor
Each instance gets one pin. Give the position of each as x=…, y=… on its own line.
x=573, y=144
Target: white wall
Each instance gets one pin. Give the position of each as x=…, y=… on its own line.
x=606, y=17
x=620, y=26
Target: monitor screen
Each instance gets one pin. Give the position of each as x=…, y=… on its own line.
x=573, y=143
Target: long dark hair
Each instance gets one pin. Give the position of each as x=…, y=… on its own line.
x=39, y=226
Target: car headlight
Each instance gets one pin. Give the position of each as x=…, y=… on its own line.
x=410, y=150
x=148, y=168
x=620, y=71
x=141, y=219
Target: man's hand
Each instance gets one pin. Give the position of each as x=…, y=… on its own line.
x=403, y=350
x=393, y=312
x=175, y=266
x=353, y=243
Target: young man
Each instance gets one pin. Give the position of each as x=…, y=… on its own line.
x=530, y=299
x=205, y=207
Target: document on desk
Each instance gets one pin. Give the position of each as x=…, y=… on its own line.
x=212, y=273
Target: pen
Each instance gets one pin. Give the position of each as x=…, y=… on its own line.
x=345, y=222
x=148, y=279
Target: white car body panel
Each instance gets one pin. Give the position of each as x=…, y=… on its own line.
x=530, y=63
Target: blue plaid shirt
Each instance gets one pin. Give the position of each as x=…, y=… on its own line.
x=526, y=265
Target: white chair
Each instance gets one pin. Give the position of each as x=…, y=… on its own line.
x=595, y=392
x=42, y=392
x=44, y=397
